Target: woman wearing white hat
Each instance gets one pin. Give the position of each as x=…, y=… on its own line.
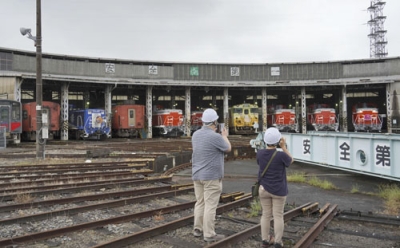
x=273, y=186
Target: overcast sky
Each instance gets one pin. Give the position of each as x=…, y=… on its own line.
x=214, y=31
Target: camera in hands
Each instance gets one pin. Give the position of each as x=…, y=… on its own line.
x=220, y=127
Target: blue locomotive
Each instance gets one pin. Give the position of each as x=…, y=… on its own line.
x=88, y=124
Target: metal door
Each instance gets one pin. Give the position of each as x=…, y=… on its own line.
x=131, y=117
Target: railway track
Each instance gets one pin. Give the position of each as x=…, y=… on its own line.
x=122, y=202
x=154, y=212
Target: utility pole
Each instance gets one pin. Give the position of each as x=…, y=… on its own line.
x=41, y=132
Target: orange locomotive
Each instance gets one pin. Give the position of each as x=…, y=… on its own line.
x=195, y=120
x=366, y=117
x=285, y=120
x=323, y=118
x=128, y=120
x=51, y=109
x=168, y=122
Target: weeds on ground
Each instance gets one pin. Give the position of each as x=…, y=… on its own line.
x=391, y=194
x=313, y=181
x=324, y=184
x=297, y=177
x=255, y=207
x=355, y=189
x=23, y=198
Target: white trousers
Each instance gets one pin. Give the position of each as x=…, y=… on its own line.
x=207, y=199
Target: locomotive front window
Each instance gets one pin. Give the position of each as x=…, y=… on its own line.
x=246, y=111
x=4, y=114
x=237, y=110
x=25, y=114
x=254, y=110
x=15, y=112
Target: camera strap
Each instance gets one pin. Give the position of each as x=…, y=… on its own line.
x=266, y=167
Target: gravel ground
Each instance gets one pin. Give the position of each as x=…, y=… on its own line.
x=241, y=174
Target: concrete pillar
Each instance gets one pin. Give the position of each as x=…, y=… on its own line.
x=303, y=111
x=107, y=104
x=388, y=109
x=187, y=111
x=264, y=109
x=86, y=99
x=345, y=124
x=64, y=111
x=17, y=90
x=226, y=108
x=149, y=110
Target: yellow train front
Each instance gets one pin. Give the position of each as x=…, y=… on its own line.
x=243, y=118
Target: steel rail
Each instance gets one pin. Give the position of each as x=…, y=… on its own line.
x=69, y=165
x=370, y=218
x=34, y=237
x=177, y=168
x=80, y=209
x=151, y=232
x=75, y=189
x=316, y=229
x=256, y=229
x=71, y=176
x=77, y=177
x=61, y=171
x=95, y=197
x=22, y=190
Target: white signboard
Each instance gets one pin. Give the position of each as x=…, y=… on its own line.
x=153, y=69
x=110, y=68
x=275, y=71
x=235, y=71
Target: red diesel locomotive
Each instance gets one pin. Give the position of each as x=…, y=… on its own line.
x=322, y=117
x=167, y=122
x=50, y=109
x=128, y=120
x=366, y=117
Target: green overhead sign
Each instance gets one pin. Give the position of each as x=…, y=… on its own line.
x=194, y=71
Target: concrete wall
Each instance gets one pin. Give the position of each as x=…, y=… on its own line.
x=7, y=85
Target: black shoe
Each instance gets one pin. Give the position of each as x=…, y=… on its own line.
x=277, y=245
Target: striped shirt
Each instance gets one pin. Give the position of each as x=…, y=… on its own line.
x=208, y=154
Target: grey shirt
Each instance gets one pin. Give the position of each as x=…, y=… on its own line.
x=208, y=154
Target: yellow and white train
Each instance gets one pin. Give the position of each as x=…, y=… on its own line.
x=243, y=118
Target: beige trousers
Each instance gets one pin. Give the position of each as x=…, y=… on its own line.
x=207, y=199
x=272, y=206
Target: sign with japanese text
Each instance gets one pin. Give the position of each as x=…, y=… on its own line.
x=194, y=71
x=110, y=68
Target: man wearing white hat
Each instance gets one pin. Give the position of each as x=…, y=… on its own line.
x=209, y=148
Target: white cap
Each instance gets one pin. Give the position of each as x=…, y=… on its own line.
x=272, y=136
x=209, y=115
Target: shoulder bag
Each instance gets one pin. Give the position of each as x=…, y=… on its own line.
x=256, y=186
